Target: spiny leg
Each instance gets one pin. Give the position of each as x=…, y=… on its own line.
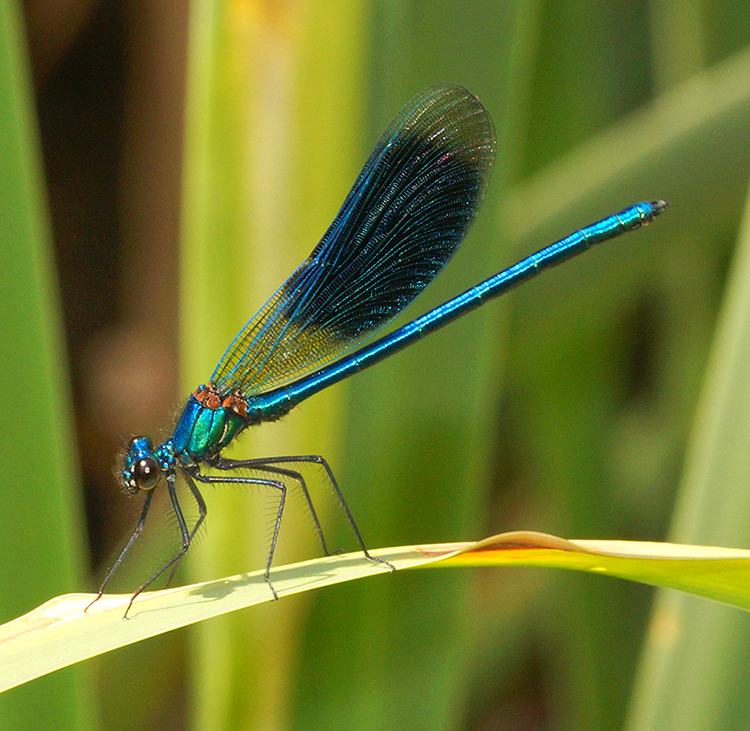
x=268, y=462
x=136, y=532
x=267, y=466
x=277, y=485
x=202, y=511
x=187, y=536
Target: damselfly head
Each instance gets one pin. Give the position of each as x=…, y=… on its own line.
x=140, y=470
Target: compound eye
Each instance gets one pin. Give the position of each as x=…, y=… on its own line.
x=146, y=473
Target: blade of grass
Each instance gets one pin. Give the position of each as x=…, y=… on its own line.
x=60, y=632
x=652, y=149
x=269, y=154
x=694, y=660
x=41, y=534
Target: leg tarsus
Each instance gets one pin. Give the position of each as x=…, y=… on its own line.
x=187, y=535
x=136, y=532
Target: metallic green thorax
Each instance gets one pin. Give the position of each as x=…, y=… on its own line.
x=208, y=423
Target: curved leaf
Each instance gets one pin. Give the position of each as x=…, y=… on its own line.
x=59, y=632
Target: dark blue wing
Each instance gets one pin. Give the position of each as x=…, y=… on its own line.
x=403, y=219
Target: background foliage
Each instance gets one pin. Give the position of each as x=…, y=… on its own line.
x=192, y=157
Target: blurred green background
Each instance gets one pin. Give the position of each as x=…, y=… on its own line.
x=165, y=165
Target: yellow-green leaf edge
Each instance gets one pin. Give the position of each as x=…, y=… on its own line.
x=59, y=633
